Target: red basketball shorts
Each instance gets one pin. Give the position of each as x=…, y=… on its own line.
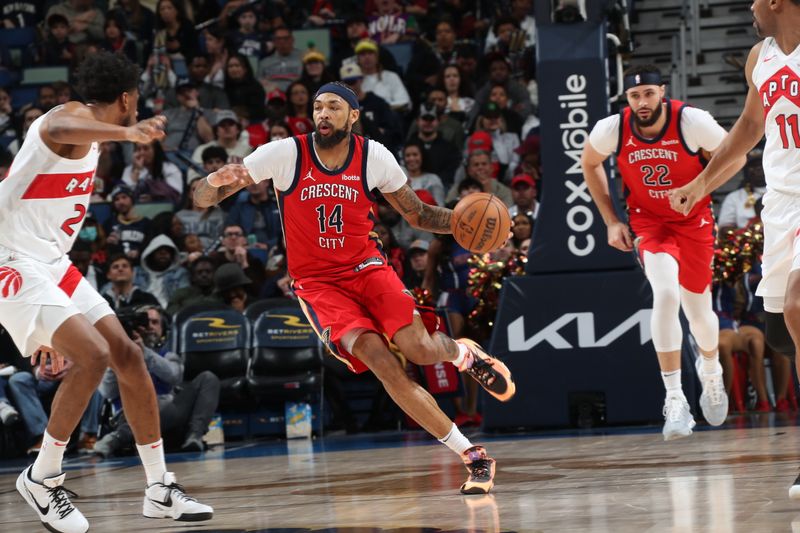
x=690, y=242
x=372, y=300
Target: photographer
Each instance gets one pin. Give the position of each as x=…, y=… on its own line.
x=185, y=408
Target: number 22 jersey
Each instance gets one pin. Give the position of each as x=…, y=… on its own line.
x=44, y=199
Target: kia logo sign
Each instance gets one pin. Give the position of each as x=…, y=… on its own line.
x=586, y=338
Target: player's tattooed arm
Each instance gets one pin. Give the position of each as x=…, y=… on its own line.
x=419, y=214
x=218, y=185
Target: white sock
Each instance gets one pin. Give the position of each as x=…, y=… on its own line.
x=672, y=382
x=48, y=462
x=456, y=441
x=710, y=363
x=152, y=456
x=462, y=353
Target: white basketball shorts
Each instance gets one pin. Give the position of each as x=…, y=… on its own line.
x=781, y=219
x=36, y=298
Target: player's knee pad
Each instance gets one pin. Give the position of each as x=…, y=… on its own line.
x=777, y=334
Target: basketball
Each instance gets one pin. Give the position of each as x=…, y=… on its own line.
x=480, y=222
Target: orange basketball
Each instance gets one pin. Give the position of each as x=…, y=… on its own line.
x=480, y=222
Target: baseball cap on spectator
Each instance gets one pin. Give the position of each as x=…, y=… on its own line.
x=427, y=112
x=274, y=95
x=480, y=140
x=426, y=197
x=491, y=110
x=350, y=72
x=313, y=55
x=530, y=144
x=184, y=83
x=418, y=245
x=366, y=45
x=523, y=179
x=230, y=276
x=121, y=189
x=223, y=115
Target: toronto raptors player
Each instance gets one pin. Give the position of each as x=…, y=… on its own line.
x=354, y=299
x=772, y=107
x=659, y=144
x=45, y=302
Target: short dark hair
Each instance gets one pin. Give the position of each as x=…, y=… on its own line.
x=56, y=19
x=117, y=257
x=213, y=152
x=466, y=183
x=647, y=68
x=104, y=76
x=201, y=259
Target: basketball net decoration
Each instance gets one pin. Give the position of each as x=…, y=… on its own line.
x=736, y=251
x=484, y=283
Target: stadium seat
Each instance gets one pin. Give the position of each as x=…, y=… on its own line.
x=22, y=96
x=43, y=75
x=215, y=338
x=20, y=44
x=7, y=78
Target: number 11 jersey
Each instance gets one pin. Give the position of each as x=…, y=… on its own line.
x=44, y=199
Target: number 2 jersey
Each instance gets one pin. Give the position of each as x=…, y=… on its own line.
x=44, y=199
x=327, y=215
x=651, y=167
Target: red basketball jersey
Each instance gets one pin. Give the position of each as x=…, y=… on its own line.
x=651, y=167
x=328, y=215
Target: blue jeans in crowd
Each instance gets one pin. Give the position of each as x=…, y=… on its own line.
x=28, y=393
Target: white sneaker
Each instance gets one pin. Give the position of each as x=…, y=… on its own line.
x=794, y=490
x=8, y=415
x=167, y=499
x=713, y=401
x=678, y=421
x=57, y=514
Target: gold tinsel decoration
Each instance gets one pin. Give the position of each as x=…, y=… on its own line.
x=484, y=282
x=736, y=251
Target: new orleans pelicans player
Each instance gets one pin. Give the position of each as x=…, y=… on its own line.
x=658, y=144
x=47, y=306
x=772, y=108
x=352, y=297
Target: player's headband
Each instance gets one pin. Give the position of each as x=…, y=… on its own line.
x=645, y=78
x=346, y=93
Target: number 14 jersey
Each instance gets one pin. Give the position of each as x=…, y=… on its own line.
x=44, y=199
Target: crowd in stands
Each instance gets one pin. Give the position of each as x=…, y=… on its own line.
x=447, y=85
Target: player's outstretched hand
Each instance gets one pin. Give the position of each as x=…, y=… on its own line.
x=619, y=236
x=40, y=357
x=229, y=175
x=683, y=199
x=148, y=130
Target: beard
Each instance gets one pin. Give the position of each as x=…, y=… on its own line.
x=654, y=116
x=333, y=138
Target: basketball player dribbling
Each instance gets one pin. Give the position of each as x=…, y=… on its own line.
x=352, y=297
x=52, y=312
x=658, y=144
x=772, y=108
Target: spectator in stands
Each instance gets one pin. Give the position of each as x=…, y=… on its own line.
x=394, y=252
x=125, y=230
x=466, y=187
x=504, y=142
x=298, y=112
x=8, y=414
x=479, y=167
x=285, y=65
x=205, y=222
x=174, y=32
x=521, y=229
x=209, y=96
x=246, y=39
x=315, y=71
x=57, y=49
x=383, y=83
x=117, y=38
x=413, y=159
x=256, y=212
x=428, y=60
x=93, y=234
x=5, y=163
x=388, y=23
x=529, y=158
x=441, y=157
x=185, y=407
x=450, y=129
x=21, y=14
x=121, y=290
x=500, y=73
x=417, y=264
x=161, y=272
x=46, y=99
x=31, y=391
x=187, y=125
x=140, y=20
x=157, y=80
x=81, y=257
x=499, y=97
x=110, y=166
x=356, y=29
x=201, y=288
x=234, y=250
x=738, y=207
x=85, y=21
x=520, y=18
x=233, y=286
x=278, y=131
x=28, y=116
x=403, y=234
x=467, y=62
x=377, y=119
x=217, y=52
x=242, y=87
x=459, y=99
x=523, y=193
x=151, y=177
x=227, y=135
x=6, y=114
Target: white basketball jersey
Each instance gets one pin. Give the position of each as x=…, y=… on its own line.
x=777, y=78
x=44, y=199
